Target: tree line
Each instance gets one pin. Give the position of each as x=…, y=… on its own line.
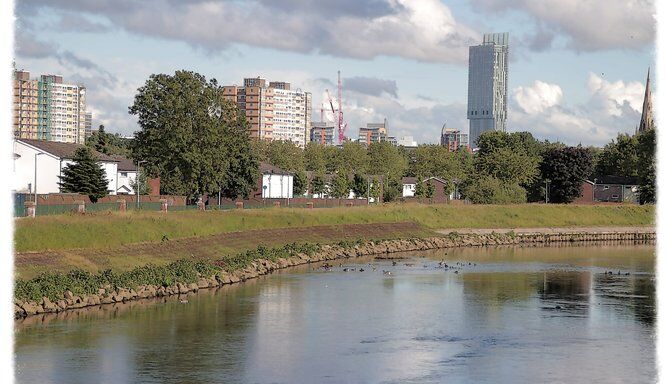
x=198, y=143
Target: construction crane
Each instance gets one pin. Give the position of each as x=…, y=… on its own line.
x=338, y=115
x=341, y=125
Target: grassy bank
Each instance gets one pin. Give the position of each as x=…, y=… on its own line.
x=113, y=229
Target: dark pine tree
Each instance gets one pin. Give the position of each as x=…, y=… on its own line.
x=566, y=169
x=84, y=176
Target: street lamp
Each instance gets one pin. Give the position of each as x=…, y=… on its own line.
x=137, y=182
x=546, y=191
x=37, y=154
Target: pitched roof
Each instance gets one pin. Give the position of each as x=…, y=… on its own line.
x=267, y=168
x=412, y=180
x=125, y=164
x=63, y=150
x=617, y=180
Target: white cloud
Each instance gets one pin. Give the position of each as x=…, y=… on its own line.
x=613, y=107
x=538, y=97
x=614, y=95
x=423, y=30
x=588, y=25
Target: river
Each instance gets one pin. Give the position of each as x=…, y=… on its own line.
x=500, y=315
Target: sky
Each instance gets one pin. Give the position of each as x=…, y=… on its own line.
x=577, y=67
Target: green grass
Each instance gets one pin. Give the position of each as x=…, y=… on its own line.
x=111, y=229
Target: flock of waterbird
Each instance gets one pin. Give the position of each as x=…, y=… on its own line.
x=454, y=267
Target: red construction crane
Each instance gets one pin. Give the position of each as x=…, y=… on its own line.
x=338, y=115
x=341, y=125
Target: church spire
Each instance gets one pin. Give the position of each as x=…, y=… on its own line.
x=647, y=119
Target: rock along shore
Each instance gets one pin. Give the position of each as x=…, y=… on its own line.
x=108, y=295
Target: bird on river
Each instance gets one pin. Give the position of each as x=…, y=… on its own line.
x=388, y=273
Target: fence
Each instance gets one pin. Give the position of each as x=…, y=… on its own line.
x=69, y=204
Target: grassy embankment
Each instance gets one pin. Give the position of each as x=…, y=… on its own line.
x=104, y=230
x=124, y=241
x=126, y=249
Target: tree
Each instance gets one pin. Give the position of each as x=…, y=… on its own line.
x=419, y=188
x=142, y=182
x=109, y=144
x=190, y=136
x=647, y=166
x=299, y=183
x=351, y=158
x=102, y=140
x=385, y=158
x=85, y=175
x=430, y=189
x=318, y=185
x=340, y=185
x=489, y=190
x=392, y=190
x=375, y=190
x=280, y=153
x=566, y=169
x=360, y=185
x=619, y=158
x=315, y=156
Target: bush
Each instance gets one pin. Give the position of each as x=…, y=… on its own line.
x=54, y=284
x=489, y=190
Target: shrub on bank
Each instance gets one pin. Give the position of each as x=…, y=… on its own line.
x=54, y=284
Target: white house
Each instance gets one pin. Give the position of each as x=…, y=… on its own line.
x=276, y=183
x=409, y=186
x=127, y=172
x=47, y=159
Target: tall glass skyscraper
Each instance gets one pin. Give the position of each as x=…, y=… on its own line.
x=487, y=85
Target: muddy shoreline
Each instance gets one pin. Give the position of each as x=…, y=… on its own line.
x=107, y=295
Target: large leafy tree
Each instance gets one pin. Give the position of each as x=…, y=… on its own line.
x=489, y=190
x=392, y=189
x=360, y=185
x=192, y=138
x=512, y=158
x=280, y=153
x=566, y=169
x=385, y=159
x=316, y=157
x=85, y=175
x=340, y=185
x=438, y=161
x=647, y=166
x=619, y=158
x=352, y=158
x=299, y=183
x=107, y=143
x=318, y=184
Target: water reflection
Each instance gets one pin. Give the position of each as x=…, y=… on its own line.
x=508, y=315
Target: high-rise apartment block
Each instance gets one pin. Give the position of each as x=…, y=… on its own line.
x=322, y=132
x=453, y=139
x=273, y=110
x=49, y=109
x=88, y=124
x=487, y=85
x=373, y=133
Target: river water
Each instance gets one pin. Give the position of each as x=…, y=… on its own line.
x=546, y=314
